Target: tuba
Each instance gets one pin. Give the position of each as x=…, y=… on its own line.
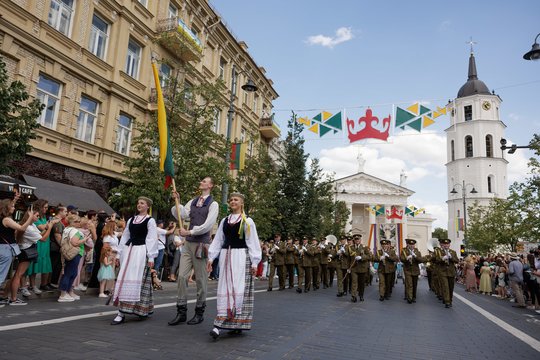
x=432, y=244
x=331, y=239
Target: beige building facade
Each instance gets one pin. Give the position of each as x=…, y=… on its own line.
x=89, y=62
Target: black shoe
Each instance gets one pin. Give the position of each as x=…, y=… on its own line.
x=381, y=298
x=409, y=301
x=214, y=334
x=235, y=332
x=198, y=317
x=269, y=289
x=361, y=298
x=114, y=322
x=298, y=290
x=181, y=315
x=281, y=288
x=354, y=299
x=387, y=298
x=413, y=300
x=339, y=294
x=447, y=306
x=306, y=290
x=325, y=287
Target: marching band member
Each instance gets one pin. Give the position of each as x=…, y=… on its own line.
x=360, y=257
x=387, y=260
x=446, y=260
x=411, y=259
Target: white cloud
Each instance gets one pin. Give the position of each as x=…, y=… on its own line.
x=343, y=34
x=517, y=169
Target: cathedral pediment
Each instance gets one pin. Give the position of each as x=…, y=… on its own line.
x=363, y=183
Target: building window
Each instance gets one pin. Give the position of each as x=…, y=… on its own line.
x=468, y=112
x=490, y=183
x=99, y=36
x=123, y=134
x=164, y=75
x=250, y=148
x=222, y=68
x=48, y=92
x=255, y=102
x=452, y=150
x=133, y=59
x=173, y=11
x=217, y=121
x=242, y=135
x=60, y=15
x=468, y=146
x=489, y=146
x=188, y=95
x=86, y=122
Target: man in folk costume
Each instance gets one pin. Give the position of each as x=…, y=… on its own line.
x=387, y=260
x=202, y=212
x=136, y=253
x=446, y=260
x=360, y=257
x=237, y=245
x=411, y=259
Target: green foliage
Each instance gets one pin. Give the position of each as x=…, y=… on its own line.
x=440, y=233
x=197, y=150
x=259, y=183
x=17, y=120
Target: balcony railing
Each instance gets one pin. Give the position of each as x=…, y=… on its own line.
x=268, y=128
x=175, y=35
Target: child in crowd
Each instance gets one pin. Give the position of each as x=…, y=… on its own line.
x=106, y=271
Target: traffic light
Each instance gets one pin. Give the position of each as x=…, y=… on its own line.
x=462, y=250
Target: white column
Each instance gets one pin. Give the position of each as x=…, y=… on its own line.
x=348, y=225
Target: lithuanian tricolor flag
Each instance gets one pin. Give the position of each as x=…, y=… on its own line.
x=238, y=156
x=165, y=152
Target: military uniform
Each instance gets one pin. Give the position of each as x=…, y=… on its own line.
x=411, y=259
x=342, y=266
x=387, y=267
x=446, y=260
x=305, y=263
x=332, y=263
x=360, y=258
x=279, y=261
x=325, y=251
x=315, y=252
x=289, y=263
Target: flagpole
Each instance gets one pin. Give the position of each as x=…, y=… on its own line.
x=177, y=204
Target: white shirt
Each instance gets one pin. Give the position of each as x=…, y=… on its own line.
x=31, y=236
x=211, y=219
x=113, y=241
x=162, y=238
x=151, y=240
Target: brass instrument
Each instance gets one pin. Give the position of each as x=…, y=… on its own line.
x=331, y=239
x=432, y=244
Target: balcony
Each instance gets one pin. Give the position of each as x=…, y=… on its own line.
x=268, y=128
x=174, y=35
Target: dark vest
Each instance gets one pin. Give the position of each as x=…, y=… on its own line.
x=138, y=232
x=232, y=239
x=197, y=216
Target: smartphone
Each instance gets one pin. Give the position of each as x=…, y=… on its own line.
x=32, y=207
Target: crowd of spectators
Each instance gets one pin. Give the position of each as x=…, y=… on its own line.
x=513, y=277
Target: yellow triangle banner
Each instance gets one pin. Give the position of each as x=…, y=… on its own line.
x=436, y=114
x=326, y=115
x=413, y=108
x=442, y=111
x=304, y=121
x=314, y=128
x=428, y=121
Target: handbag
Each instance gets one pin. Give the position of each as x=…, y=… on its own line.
x=67, y=250
x=15, y=249
x=31, y=253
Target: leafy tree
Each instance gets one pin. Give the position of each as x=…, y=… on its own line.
x=292, y=177
x=440, y=233
x=197, y=150
x=17, y=120
x=258, y=181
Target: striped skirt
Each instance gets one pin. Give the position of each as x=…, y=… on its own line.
x=241, y=321
x=145, y=305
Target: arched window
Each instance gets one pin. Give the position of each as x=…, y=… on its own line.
x=468, y=146
x=452, y=150
x=489, y=146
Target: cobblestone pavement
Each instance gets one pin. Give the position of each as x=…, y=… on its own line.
x=287, y=325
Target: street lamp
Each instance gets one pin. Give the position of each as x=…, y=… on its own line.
x=464, y=196
x=534, y=53
x=249, y=87
x=513, y=147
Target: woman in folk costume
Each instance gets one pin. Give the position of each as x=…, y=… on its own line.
x=136, y=251
x=237, y=244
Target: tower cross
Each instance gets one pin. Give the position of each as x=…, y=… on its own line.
x=471, y=43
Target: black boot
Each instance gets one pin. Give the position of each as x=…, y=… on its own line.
x=354, y=299
x=181, y=311
x=198, y=317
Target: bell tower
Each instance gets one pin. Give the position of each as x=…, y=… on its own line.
x=475, y=167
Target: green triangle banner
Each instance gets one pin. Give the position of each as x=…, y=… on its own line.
x=402, y=117
x=416, y=125
x=334, y=121
x=423, y=110
x=318, y=118
x=323, y=130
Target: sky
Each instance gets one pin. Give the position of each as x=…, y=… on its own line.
x=347, y=55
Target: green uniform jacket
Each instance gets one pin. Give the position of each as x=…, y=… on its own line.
x=446, y=267
x=411, y=266
x=316, y=257
x=342, y=259
x=279, y=254
x=289, y=254
x=327, y=249
x=307, y=255
x=361, y=266
x=389, y=264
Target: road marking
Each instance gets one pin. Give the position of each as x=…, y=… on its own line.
x=529, y=340
x=86, y=316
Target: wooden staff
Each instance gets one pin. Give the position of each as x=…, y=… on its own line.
x=177, y=203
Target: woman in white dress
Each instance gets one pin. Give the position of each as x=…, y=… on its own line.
x=237, y=244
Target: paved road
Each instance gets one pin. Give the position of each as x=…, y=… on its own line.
x=287, y=325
